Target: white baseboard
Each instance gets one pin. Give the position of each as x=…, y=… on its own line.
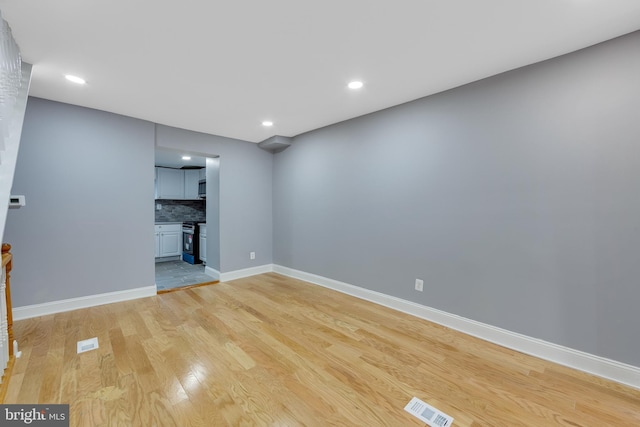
x=239, y=274
x=212, y=272
x=52, y=307
x=600, y=366
x=35, y=310
x=596, y=365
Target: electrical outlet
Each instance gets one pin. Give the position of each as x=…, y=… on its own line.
x=419, y=284
x=252, y=255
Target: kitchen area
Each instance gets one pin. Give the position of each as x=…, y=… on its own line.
x=180, y=221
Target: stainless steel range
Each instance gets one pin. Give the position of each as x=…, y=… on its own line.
x=190, y=242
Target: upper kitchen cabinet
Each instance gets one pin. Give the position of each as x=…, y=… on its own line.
x=177, y=184
x=191, y=178
x=169, y=183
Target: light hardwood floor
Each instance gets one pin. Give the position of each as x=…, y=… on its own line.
x=274, y=351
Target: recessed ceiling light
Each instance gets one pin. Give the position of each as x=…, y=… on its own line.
x=75, y=79
x=267, y=123
x=355, y=85
x=186, y=157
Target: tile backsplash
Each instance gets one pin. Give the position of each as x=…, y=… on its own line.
x=180, y=210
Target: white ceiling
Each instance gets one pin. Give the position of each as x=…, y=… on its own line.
x=222, y=67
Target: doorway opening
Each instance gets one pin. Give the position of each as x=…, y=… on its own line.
x=186, y=220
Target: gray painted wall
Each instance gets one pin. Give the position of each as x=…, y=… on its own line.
x=516, y=199
x=213, y=213
x=245, y=194
x=88, y=177
x=87, y=227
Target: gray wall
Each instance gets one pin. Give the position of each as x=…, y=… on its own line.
x=516, y=199
x=87, y=227
x=245, y=194
x=88, y=177
x=213, y=213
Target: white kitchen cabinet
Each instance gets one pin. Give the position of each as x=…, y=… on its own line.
x=157, y=243
x=168, y=240
x=177, y=184
x=203, y=242
x=169, y=183
x=171, y=244
x=191, y=179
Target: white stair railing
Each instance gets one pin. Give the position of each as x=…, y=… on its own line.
x=15, y=77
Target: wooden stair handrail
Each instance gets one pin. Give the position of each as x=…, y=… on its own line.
x=7, y=260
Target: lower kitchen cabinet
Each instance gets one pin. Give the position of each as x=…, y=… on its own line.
x=168, y=240
x=157, y=244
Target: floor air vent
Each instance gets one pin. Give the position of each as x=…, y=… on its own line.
x=87, y=345
x=428, y=414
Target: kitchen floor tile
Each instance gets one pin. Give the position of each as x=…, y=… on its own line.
x=175, y=274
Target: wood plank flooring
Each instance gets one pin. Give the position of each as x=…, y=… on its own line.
x=273, y=351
